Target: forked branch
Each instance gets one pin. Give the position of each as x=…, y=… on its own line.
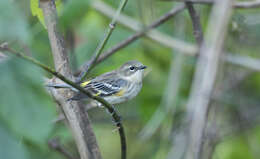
x=90, y=64
x=109, y=107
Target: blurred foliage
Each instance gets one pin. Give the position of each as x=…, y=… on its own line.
x=73, y=12
x=27, y=111
x=13, y=26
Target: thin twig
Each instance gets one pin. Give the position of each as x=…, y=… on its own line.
x=254, y=4
x=110, y=108
x=136, y=26
x=56, y=145
x=244, y=61
x=137, y=35
x=195, y=18
x=169, y=99
x=141, y=33
x=242, y=5
x=88, y=66
x=206, y=70
x=188, y=49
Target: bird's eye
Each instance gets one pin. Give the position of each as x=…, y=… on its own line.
x=132, y=68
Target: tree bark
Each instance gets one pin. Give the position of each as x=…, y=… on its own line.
x=74, y=111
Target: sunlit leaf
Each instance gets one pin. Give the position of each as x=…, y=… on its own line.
x=37, y=11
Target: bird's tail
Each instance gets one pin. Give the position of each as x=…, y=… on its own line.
x=91, y=104
x=58, y=85
x=61, y=85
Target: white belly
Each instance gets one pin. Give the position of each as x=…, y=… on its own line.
x=129, y=94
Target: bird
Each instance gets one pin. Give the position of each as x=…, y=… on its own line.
x=117, y=86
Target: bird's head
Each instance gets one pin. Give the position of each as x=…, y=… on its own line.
x=132, y=70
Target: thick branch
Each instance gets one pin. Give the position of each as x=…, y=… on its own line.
x=74, y=111
x=205, y=74
x=78, y=118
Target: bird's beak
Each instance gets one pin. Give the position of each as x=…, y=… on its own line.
x=142, y=67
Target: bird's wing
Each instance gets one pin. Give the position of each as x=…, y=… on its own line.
x=104, y=86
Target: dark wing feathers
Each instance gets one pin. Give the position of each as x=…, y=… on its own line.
x=105, y=87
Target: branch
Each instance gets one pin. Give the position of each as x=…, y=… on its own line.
x=230, y=81
x=56, y=145
x=254, y=4
x=195, y=18
x=242, y=5
x=150, y=33
x=74, y=112
x=110, y=108
x=169, y=98
x=163, y=39
x=251, y=115
x=205, y=74
x=245, y=61
x=178, y=45
x=88, y=66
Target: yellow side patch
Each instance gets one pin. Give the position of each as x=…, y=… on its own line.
x=97, y=94
x=83, y=84
x=120, y=93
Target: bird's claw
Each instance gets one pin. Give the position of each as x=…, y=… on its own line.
x=112, y=114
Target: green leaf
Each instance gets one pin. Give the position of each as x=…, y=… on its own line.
x=10, y=147
x=25, y=106
x=13, y=25
x=37, y=11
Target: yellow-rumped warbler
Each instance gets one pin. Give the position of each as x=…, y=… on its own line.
x=116, y=86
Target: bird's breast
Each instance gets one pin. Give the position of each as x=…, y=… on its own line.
x=125, y=94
